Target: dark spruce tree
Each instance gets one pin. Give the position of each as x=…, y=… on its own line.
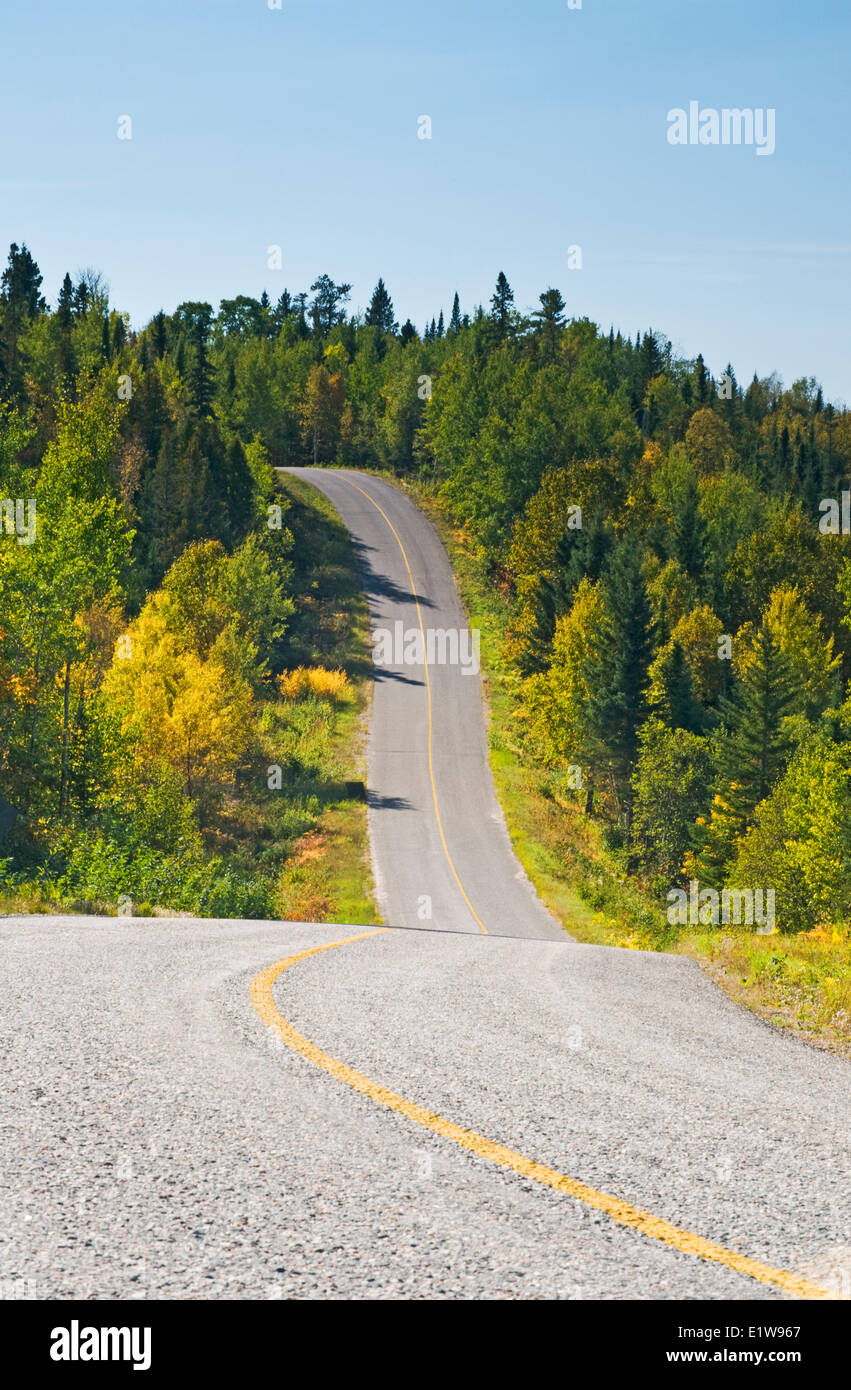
x=618, y=705
x=20, y=302
x=327, y=307
x=502, y=307
x=549, y=322
x=380, y=312
x=676, y=702
x=455, y=319
x=580, y=553
x=65, y=303
x=758, y=744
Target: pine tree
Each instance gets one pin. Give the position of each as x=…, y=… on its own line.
x=441, y=328
x=455, y=320
x=675, y=702
x=380, y=312
x=618, y=680
x=192, y=321
x=64, y=318
x=752, y=754
x=326, y=309
x=650, y=359
x=20, y=301
x=580, y=554
x=20, y=285
x=502, y=306
x=549, y=322
x=300, y=311
x=757, y=746
x=158, y=334
x=408, y=333
x=687, y=538
x=731, y=405
x=65, y=303
x=282, y=310
x=199, y=377
x=701, y=381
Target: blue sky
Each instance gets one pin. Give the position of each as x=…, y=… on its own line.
x=298, y=127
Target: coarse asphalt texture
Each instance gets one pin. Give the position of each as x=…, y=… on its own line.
x=159, y=1140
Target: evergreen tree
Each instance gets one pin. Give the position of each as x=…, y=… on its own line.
x=549, y=322
x=65, y=303
x=618, y=682
x=326, y=309
x=675, y=701
x=650, y=359
x=455, y=320
x=441, y=328
x=20, y=302
x=64, y=318
x=408, y=333
x=282, y=310
x=158, y=334
x=502, y=306
x=300, y=311
x=580, y=554
x=20, y=286
x=701, y=381
x=730, y=404
x=380, y=312
x=199, y=377
x=757, y=746
x=687, y=538
x=193, y=322
x=752, y=753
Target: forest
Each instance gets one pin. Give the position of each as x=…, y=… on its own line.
x=668, y=543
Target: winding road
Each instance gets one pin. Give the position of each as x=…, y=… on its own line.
x=439, y=842
x=465, y=1104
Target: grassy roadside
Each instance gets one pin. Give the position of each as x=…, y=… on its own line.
x=799, y=983
x=327, y=875
x=289, y=837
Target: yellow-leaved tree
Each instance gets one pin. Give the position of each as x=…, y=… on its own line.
x=798, y=635
x=191, y=712
x=555, y=703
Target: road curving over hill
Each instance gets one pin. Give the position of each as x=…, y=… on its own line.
x=461, y=1105
x=442, y=857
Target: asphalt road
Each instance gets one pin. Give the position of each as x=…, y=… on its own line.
x=195, y=1109
x=467, y=878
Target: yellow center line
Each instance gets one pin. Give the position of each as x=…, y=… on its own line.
x=623, y=1212
x=428, y=696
